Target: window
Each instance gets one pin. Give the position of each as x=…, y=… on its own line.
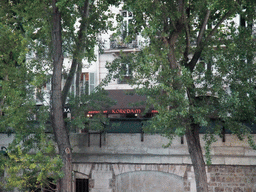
x=84, y=84
x=87, y=83
x=92, y=81
x=82, y=185
x=126, y=74
x=39, y=95
x=127, y=19
x=120, y=41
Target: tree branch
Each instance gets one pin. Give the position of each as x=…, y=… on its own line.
x=186, y=52
x=78, y=76
x=214, y=30
x=181, y=6
x=202, y=29
x=76, y=55
x=200, y=47
x=3, y=99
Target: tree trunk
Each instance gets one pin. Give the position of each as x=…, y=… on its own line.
x=2, y=99
x=80, y=43
x=192, y=133
x=195, y=151
x=60, y=131
x=78, y=76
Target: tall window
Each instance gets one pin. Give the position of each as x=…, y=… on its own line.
x=84, y=83
x=126, y=27
x=87, y=83
x=92, y=81
x=126, y=73
x=120, y=41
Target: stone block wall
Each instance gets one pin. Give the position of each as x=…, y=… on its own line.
x=221, y=178
x=232, y=178
x=233, y=169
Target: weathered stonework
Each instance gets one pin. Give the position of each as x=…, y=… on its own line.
x=172, y=169
x=125, y=157
x=221, y=178
x=232, y=178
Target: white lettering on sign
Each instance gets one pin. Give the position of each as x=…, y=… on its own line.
x=67, y=110
x=125, y=111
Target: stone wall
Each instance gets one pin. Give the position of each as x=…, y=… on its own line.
x=232, y=178
x=175, y=178
x=129, y=148
x=126, y=156
x=133, y=177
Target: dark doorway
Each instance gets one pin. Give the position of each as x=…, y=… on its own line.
x=82, y=185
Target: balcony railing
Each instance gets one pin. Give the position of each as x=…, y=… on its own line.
x=118, y=43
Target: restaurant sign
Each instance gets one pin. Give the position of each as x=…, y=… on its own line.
x=121, y=111
x=126, y=111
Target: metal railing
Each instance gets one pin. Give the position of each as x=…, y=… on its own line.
x=117, y=43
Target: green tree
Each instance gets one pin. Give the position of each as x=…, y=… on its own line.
x=196, y=68
x=18, y=108
x=47, y=29
x=93, y=13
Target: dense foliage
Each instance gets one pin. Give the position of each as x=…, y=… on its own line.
x=197, y=68
x=26, y=65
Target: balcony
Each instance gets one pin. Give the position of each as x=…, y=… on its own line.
x=119, y=43
x=125, y=79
